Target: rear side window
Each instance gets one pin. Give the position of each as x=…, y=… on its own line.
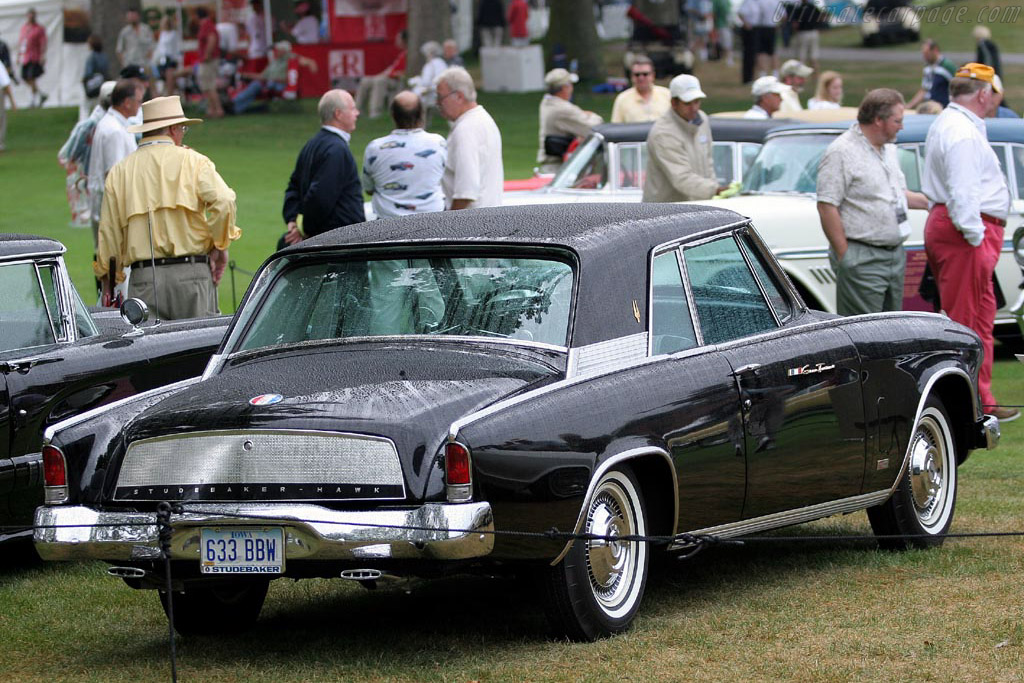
x=671, y=324
x=728, y=300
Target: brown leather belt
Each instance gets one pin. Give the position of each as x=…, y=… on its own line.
x=886, y=247
x=201, y=258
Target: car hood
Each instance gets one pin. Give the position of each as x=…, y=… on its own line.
x=407, y=392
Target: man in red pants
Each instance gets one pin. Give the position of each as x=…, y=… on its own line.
x=969, y=203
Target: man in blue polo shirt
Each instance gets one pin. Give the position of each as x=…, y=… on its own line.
x=938, y=72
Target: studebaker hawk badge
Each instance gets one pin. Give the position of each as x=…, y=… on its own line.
x=636, y=310
x=265, y=399
x=809, y=369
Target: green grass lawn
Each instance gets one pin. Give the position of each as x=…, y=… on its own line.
x=832, y=611
x=790, y=611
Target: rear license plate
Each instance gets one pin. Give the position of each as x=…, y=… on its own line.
x=243, y=550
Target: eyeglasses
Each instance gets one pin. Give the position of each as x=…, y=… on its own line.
x=447, y=94
x=642, y=73
x=184, y=129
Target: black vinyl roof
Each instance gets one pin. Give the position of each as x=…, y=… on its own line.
x=583, y=228
x=724, y=129
x=14, y=245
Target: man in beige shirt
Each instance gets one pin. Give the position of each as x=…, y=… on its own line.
x=559, y=117
x=679, y=161
x=172, y=197
x=645, y=101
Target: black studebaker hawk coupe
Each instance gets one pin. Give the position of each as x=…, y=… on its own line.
x=392, y=393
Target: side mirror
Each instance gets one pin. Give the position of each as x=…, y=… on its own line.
x=134, y=312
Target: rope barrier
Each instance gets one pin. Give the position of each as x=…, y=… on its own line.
x=689, y=544
x=686, y=540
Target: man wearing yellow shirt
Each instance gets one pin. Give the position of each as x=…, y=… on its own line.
x=172, y=197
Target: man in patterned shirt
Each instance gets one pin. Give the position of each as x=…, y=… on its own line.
x=402, y=170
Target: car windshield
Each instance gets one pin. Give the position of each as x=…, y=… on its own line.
x=787, y=163
x=527, y=299
x=584, y=169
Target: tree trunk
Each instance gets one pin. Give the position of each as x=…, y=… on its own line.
x=572, y=25
x=106, y=18
x=428, y=20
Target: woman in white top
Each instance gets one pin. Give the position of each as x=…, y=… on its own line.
x=168, y=53
x=829, y=94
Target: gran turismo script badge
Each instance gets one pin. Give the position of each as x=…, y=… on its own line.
x=809, y=369
x=265, y=399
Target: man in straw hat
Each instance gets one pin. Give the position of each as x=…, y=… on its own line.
x=969, y=203
x=172, y=197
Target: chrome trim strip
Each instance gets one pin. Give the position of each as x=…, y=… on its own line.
x=698, y=236
x=790, y=517
x=631, y=454
x=313, y=532
x=89, y=414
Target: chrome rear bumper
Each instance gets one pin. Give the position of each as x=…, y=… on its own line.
x=312, y=532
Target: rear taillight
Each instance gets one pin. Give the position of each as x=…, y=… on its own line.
x=458, y=473
x=54, y=475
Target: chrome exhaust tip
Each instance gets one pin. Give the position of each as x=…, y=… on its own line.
x=126, y=572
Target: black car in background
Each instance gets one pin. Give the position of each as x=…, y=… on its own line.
x=58, y=360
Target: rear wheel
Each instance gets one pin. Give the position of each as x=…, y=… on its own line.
x=925, y=497
x=229, y=608
x=596, y=590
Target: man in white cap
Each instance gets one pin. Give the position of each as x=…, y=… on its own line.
x=794, y=75
x=680, y=166
x=560, y=120
x=767, y=92
x=172, y=197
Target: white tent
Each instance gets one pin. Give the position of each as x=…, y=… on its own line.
x=62, y=80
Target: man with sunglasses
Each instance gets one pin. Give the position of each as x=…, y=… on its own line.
x=645, y=101
x=169, y=215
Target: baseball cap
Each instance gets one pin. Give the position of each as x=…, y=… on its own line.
x=560, y=77
x=765, y=85
x=794, y=67
x=106, y=89
x=980, y=72
x=134, y=71
x=686, y=88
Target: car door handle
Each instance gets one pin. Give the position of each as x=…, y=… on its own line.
x=749, y=369
x=23, y=365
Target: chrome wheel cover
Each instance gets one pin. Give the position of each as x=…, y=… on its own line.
x=612, y=564
x=932, y=472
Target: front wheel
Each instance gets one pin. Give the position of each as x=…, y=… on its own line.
x=922, y=505
x=596, y=590
x=228, y=608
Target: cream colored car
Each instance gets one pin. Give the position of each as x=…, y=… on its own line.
x=779, y=195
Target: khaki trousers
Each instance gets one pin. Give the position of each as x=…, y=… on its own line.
x=185, y=290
